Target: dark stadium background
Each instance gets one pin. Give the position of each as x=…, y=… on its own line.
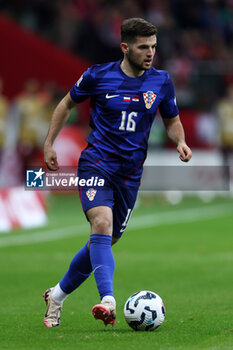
x=53, y=42
x=178, y=244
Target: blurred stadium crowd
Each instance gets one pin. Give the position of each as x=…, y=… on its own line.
x=195, y=44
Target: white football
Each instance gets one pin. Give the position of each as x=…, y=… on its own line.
x=144, y=311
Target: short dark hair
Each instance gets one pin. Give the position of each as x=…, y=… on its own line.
x=133, y=27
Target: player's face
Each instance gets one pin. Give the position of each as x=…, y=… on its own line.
x=141, y=53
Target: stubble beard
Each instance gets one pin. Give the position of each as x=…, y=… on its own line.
x=134, y=64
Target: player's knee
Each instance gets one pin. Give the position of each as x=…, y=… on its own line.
x=101, y=220
x=101, y=225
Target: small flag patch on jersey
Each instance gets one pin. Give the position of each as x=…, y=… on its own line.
x=127, y=98
x=91, y=194
x=135, y=99
x=149, y=98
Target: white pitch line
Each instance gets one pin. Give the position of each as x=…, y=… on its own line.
x=181, y=216
x=45, y=236
x=137, y=222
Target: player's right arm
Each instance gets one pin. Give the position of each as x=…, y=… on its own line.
x=80, y=91
x=59, y=118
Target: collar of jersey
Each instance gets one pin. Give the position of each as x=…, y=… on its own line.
x=142, y=77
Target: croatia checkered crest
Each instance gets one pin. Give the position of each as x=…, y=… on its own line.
x=149, y=98
x=91, y=194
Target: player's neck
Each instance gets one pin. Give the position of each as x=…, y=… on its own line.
x=130, y=70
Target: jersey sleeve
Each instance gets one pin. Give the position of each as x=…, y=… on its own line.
x=168, y=107
x=84, y=88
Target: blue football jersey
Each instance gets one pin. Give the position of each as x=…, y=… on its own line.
x=122, y=112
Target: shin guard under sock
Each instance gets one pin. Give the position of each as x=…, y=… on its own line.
x=103, y=264
x=79, y=270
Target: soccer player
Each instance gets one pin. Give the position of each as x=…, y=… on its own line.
x=125, y=96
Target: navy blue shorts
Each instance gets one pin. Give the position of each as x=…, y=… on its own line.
x=119, y=197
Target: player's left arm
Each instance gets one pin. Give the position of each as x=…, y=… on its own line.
x=175, y=132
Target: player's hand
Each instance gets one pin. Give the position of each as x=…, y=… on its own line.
x=185, y=152
x=50, y=158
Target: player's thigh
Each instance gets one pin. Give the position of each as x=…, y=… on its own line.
x=124, y=201
x=91, y=193
x=97, y=201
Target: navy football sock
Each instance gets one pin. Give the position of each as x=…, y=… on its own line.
x=79, y=270
x=103, y=264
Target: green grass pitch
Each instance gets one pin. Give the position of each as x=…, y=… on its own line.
x=184, y=253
